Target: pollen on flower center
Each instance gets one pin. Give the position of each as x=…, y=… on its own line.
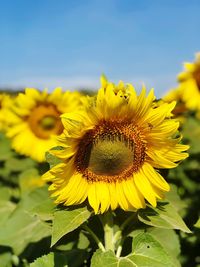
x=110, y=152
x=110, y=157
x=44, y=120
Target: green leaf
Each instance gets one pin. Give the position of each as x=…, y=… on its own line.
x=18, y=165
x=191, y=132
x=65, y=221
x=38, y=202
x=51, y=159
x=6, y=208
x=6, y=259
x=163, y=216
x=5, y=193
x=21, y=229
x=108, y=259
x=197, y=224
x=146, y=252
x=72, y=258
x=6, y=151
x=162, y=236
x=29, y=179
x=49, y=261
x=174, y=199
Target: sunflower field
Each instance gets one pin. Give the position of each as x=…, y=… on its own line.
x=110, y=178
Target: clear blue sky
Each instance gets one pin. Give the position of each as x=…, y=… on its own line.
x=69, y=43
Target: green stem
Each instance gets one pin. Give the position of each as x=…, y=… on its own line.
x=95, y=237
x=118, y=234
x=108, y=231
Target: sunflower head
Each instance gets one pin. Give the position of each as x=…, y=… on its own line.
x=5, y=102
x=190, y=84
x=180, y=108
x=34, y=120
x=112, y=150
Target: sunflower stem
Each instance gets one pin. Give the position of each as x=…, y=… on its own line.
x=108, y=231
x=94, y=236
x=118, y=234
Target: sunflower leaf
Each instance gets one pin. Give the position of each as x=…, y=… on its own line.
x=51, y=159
x=191, y=133
x=49, y=260
x=17, y=233
x=146, y=252
x=72, y=258
x=65, y=221
x=163, y=216
x=162, y=236
x=197, y=224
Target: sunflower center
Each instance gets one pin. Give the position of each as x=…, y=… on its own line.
x=48, y=122
x=110, y=158
x=111, y=152
x=196, y=76
x=44, y=121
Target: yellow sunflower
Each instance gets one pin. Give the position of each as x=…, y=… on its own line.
x=5, y=102
x=180, y=108
x=190, y=84
x=34, y=120
x=112, y=149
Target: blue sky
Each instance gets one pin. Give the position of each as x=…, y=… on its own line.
x=46, y=43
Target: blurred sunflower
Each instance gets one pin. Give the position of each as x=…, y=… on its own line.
x=190, y=84
x=34, y=120
x=5, y=102
x=180, y=108
x=111, y=149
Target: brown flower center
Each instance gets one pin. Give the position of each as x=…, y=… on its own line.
x=44, y=121
x=111, y=152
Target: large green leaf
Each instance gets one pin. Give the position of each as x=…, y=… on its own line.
x=146, y=252
x=5, y=193
x=5, y=152
x=29, y=179
x=18, y=165
x=72, y=258
x=6, y=208
x=162, y=236
x=174, y=199
x=197, y=224
x=38, y=203
x=163, y=216
x=21, y=229
x=6, y=259
x=108, y=259
x=49, y=261
x=65, y=221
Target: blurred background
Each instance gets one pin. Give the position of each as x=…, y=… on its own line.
x=46, y=43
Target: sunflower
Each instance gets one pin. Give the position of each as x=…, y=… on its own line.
x=111, y=151
x=34, y=120
x=5, y=102
x=176, y=94
x=190, y=84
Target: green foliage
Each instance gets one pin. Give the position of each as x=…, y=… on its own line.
x=146, y=251
x=163, y=216
x=65, y=221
